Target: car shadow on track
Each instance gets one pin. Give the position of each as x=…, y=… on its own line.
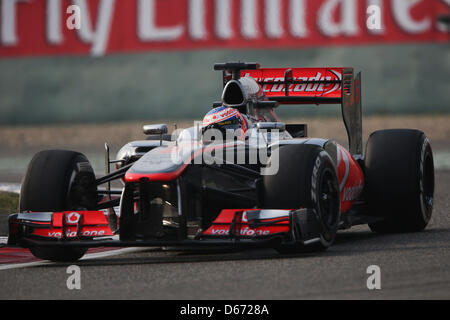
x=347, y=243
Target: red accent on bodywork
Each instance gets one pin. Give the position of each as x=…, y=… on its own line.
x=222, y=224
x=93, y=218
x=57, y=219
x=159, y=176
x=227, y=215
x=351, y=178
x=89, y=224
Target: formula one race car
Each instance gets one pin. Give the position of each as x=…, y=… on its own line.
x=240, y=178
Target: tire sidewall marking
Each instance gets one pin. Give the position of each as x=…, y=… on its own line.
x=315, y=177
x=423, y=207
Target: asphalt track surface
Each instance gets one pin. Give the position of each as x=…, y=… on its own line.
x=413, y=266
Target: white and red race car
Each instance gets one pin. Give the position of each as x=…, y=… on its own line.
x=270, y=186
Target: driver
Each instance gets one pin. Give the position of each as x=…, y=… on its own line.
x=227, y=120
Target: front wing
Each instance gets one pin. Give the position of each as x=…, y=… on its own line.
x=232, y=227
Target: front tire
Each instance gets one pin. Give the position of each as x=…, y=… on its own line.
x=306, y=178
x=58, y=180
x=399, y=180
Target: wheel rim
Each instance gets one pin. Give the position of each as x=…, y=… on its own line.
x=328, y=204
x=427, y=187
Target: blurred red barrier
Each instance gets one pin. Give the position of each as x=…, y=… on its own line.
x=42, y=27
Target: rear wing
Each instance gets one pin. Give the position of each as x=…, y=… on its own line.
x=308, y=86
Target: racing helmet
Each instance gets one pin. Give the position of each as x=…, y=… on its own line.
x=225, y=119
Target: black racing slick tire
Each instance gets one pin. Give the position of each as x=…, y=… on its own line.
x=58, y=180
x=399, y=178
x=306, y=178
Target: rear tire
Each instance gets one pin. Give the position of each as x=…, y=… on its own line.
x=58, y=180
x=306, y=178
x=399, y=174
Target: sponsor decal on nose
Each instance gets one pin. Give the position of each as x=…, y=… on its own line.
x=73, y=217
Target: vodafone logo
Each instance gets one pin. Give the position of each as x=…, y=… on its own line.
x=351, y=193
x=55, y=234
x=73, y=217
x=248, y=232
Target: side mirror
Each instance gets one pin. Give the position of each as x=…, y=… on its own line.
x=155, y=129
